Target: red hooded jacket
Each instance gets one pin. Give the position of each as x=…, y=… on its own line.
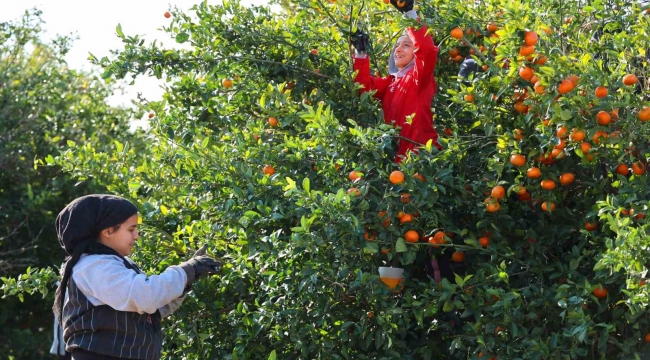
x=404, y=96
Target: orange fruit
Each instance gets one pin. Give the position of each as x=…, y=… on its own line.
x=530, y=38
x=484, y=241
x=518, y=160
x=567, y=178
x=167, y=14
x=548, y=184
x=384, y=216
x=458, y=256
x=548, y=206
x=630, y=79
x=492, y=206
x=561, y=145
x=385, y=251
x=539, y=88
x=526, y=72
x=600, y=292
x=227, y=83
x=411, y=236
x=598, y=136
x=420, y=177
x=396, y=177
x=534, y=79
x=647, y=336
x=370, y=235
x=492, y=27
x=354, y=175
x=565, y=87
x=638, y=168
x=561, y=132
x=585, y=146
x=405, y=218
x=456, y=33
x=469, y=98
x=556, y=152
x=268, y=170
x=574, y=79
x=518, y=134
x=520, y=107
x=437, y=238
x=524, y=197
x=354, y=191
x=644, y=114
x=577, y=135
x=498, y=192
x=526, y=50
x=603, y=118
x=273, y=121
x=519, y=189
x=405, y=198
x=370, y=314
x=533, y=173
x=314, y=52
x=454, y=52
x=591, y=225
x=601, y=92
x=541, y=59
x=622, y=169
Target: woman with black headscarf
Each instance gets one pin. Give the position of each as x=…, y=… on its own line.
x=112, y=310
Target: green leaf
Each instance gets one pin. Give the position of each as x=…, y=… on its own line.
x=459, y=280
x=205, y=142
x=449, y=306
x=182, y=37
x=305, y=184
x=118, y=146
x=566, y=115
x=134, y=186
x=164, y=210
x=118, y=30
x=400, y=245
x=272, y=356
x=371, y=247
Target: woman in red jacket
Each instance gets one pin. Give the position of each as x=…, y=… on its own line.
x=406, y=93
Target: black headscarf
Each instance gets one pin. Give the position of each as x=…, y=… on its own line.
x=78, y=226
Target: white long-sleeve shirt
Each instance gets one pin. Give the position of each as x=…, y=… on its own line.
x=104, y=280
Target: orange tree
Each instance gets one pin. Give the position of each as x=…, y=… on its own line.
x=262, y=149
x=43, y=106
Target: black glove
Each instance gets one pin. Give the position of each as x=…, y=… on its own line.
x=402, y=5
x=360, y=41
x=200, y=265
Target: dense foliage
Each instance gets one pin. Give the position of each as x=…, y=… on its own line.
x=44, y=106
x=261, y=133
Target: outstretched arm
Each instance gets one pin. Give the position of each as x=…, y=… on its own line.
x=369, y=82
x=426, y=54
x=362, y=66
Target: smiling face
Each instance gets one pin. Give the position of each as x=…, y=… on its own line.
x=122, y=237
x=403, y=53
